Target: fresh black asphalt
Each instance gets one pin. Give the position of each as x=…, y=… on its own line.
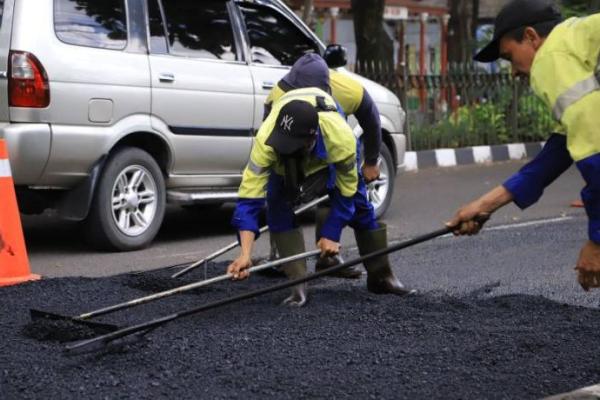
x=499, y=316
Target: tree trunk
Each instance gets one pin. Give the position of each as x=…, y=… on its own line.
x=474, y=18
x=372, y=42
x=307, y=12
x=459, y=31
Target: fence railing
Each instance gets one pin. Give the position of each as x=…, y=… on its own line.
x=466, y=106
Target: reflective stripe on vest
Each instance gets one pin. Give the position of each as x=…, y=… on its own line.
x=258, y=170
x=576, y=92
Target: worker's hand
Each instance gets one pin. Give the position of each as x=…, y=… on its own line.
x=370, y=172
x=239, y=268
x=588, y=266
x=469, y=219
x=328, y=247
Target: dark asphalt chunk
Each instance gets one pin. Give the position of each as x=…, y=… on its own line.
x=346, y=343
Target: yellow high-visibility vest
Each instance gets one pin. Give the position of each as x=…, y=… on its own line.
x=566, y=75
x=338, y=138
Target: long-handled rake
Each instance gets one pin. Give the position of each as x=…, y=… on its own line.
x=235, y=244
x=105, y=339
x=102, y=328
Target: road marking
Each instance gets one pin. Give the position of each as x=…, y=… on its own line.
x=530, y=223
x=507, y=226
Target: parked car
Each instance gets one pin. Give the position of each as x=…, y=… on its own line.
x=111, y=109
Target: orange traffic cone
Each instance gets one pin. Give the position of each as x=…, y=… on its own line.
x=14, y=264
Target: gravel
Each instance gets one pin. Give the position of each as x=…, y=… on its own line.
x=346, y=343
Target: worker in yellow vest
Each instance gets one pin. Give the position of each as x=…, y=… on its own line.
x=562, y=59
x=311, y=70
x=305, y=135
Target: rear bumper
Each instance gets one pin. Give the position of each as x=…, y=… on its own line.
x=28, y=150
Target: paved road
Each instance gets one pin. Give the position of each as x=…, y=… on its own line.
x=423, y=200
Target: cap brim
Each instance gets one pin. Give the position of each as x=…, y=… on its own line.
x=285, y=144
x=489, y=53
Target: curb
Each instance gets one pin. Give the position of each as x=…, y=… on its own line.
x=586, y=393
x=415, y=160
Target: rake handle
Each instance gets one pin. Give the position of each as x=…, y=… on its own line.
x=235, y=244
x=109, y=337
x=194, y=285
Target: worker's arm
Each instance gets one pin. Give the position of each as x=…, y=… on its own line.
x=588, y=263
x=367, y=115
x=523, y=188
x=469, y=219
x=239, y=267
x=342, y=205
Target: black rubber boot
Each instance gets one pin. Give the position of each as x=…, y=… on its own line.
x=380, y=278
x=353, y=272
x=288, y=244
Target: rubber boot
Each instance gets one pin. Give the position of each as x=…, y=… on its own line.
x=288, y=244
x=273, y=255
x=353, y=272
x=380, y=278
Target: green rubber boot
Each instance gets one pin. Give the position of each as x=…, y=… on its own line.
x=288, y=244
x=353, y=272
x=380, y=278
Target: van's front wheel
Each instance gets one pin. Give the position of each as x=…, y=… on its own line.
x=129, y=203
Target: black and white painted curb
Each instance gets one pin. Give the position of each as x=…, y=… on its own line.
x=586, y=393
x=415, y=160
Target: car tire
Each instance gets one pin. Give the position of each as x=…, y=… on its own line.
x=129, y=202
x=381, y=190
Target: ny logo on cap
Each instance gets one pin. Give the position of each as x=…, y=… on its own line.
x=286, y=122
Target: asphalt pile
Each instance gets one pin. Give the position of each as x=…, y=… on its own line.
x=345, y=344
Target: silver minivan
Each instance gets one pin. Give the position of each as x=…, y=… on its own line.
x=113, y=108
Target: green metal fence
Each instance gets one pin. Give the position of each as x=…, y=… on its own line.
x=466, y=106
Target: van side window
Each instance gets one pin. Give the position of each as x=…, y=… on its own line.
x=91, y=23
x=158, y=39
x=200, y=29
x=274, y=40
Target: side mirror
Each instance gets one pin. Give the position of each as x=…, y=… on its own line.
x=335, y=56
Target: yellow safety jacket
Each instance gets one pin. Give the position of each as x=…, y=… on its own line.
x=346, y=91
x=566, y=75
x=337, y=136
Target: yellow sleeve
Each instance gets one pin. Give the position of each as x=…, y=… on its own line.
x=274, y=95
x=552, y=75
x=262, y=159
x=340, y=144
x=582, y=123
x=347, y=91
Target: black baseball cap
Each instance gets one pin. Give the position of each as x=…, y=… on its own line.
x=296, y=123
x=514, y=15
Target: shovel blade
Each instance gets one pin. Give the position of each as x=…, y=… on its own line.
x=97, y=327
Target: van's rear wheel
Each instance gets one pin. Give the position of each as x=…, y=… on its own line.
x=129, y=203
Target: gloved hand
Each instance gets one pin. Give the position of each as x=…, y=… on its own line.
x=328, y=247
x=239, y=268
x=370, y=172
x=469, y=219
x=588, y=266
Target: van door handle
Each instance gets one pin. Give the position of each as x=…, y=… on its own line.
x=268, y=85
x=166, y=77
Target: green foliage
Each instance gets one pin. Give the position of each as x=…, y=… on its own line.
x=578, y=8
x=484, y=123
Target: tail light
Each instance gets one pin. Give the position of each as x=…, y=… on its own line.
x=27, y=81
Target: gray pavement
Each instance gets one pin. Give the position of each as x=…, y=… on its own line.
x=423, y=201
